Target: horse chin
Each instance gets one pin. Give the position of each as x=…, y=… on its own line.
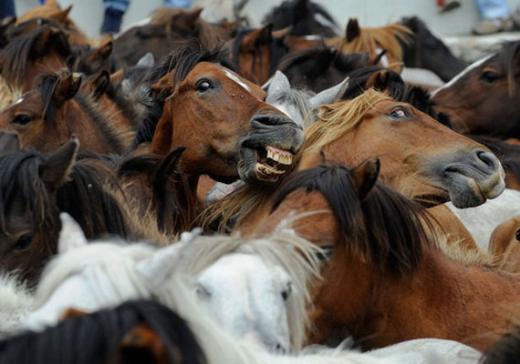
x=465, y=192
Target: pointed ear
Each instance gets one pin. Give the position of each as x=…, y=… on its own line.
x=61, y=16
x=353, y=30
x=162, y=88
x=329, y=95
x=186, y=19
x=389, y=82
x=105, y=50
x=158, y=268
x=143, y=345
x=117, y=77
x=365, y=176
x=265, y=34
x=166, y=167
x=9, y=143
x=282, y=33
x=56, y=169
x=101, y=84
x=71, y=235
x=279, y=83
x=40, y=45
x=66, y=88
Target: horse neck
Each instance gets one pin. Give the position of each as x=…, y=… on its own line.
x=442, y=299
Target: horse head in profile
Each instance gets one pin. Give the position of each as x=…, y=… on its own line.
x=482, y=99
x=222, y=120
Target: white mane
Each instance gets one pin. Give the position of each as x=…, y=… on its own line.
x=297, y=256
x=15, y=303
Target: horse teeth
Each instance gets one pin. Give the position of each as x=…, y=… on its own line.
x=265, y=169
x=279, y=155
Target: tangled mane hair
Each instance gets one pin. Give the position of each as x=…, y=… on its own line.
x=17, y=55
x=96, y=337
x=180, y=63
x=300, y=15
x=298, y=257
x=369, y=40
x=385, y=228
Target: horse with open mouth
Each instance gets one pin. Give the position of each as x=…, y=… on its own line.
x=222, y=120
x=405, y=140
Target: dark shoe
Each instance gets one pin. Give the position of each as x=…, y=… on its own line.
x=112, y=21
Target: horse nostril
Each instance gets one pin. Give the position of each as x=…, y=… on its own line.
x=487, y=158
x=279, y=348
x=267, y=120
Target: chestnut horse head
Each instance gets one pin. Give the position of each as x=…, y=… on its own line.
x=405, y=139
x=222, y=120
x=50, y=114
x=482, y=99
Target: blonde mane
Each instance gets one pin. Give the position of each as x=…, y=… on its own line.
x=334, y=121
x=372, y=40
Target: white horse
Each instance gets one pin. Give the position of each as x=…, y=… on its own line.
x=256, y=289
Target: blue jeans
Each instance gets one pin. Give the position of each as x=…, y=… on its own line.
x=7, y=8
x=122, y=5
x=493, y=9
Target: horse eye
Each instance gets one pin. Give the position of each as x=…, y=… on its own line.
x=204, y=85
x=489, y=76
x=517, y=235
x=22, y=119
x=399, y=113
x=287, y=292
x=23, y=242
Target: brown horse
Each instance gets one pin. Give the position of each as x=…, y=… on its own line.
x=35, y=188
x=166, y=28
x=373, y=41
x=482, y=99
x=386, y=281
x=256, y=53
x=404, y=138
x=222, y=121
x=47, y=116
x=505, y=245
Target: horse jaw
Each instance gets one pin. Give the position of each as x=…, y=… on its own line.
x=71, y=235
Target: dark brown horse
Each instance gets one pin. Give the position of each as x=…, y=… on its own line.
x=46, y=117
x=483, y=98
x=35, y=188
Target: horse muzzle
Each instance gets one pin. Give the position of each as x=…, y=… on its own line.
x=267, y=151
x=473, y=178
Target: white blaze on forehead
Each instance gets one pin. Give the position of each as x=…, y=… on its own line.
x=19, y=101
x=464, y=72
x=234, y=77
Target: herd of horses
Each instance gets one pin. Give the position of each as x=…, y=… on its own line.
x=195, y=192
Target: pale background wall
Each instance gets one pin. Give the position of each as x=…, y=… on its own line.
x=88, y=13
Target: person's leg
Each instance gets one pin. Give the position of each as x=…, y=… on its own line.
x=7, y=8
x=114, y=11
x=178, y=3
x=493, y=9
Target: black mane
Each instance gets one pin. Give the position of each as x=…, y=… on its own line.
x=300, y=16
x=96, y=337
x=17, y=54
x=384, y=228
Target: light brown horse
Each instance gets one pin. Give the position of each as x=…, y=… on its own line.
x=373, y=41
x=385, y=280
x=405, y=140
x=504, y=243
x=47, y=116
x=229, y=132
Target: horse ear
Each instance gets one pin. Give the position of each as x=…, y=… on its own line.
x=279, y=83
x=329, y=95
x=301, y=9
x=142, y=345
x=147, y=60
x=117, y=77
x=71, y=235
x=157, y=268
x=186, y=19
x=353, y=30
x=9, y=143
x=282, y=33
x=166, y=167
x=389, y=82
x=61, y=16
x=365, y=176
x=56, y=169
x=67, y=87
x=265, y=35
x=105, y=50
x=101, y=84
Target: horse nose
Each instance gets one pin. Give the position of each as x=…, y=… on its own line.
x=488, y=161
x=263, y=121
